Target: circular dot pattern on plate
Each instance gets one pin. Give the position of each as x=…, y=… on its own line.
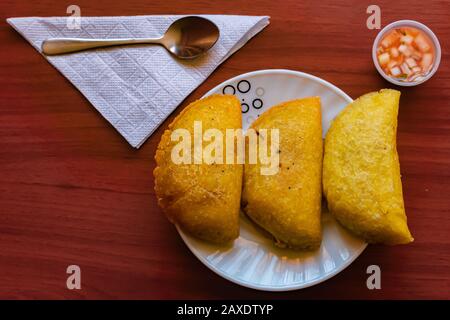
x=249, y=98
x=253, y=260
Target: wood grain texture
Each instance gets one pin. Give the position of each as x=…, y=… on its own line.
x=72, y=191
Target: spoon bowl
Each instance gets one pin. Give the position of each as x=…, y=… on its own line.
x=189, y=37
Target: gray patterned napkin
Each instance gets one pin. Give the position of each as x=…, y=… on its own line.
x=135, y=87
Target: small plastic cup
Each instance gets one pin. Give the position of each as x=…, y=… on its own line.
x=413, y=24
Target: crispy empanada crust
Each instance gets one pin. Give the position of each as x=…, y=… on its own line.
x=361, y=170
x=288, y=204
x=202, y=199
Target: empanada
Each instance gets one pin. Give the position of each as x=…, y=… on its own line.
x=288, y=204
x=361, y=170
x=202, y=199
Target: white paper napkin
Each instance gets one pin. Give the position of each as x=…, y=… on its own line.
x=135, y=87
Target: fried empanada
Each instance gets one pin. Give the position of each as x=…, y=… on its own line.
x=361, y=170
x=202, y=199
x=288, y=204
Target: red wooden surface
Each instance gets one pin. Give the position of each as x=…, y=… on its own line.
x=72, y=191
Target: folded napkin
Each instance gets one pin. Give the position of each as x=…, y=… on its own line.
x=135, y=87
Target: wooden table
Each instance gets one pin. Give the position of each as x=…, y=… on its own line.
x=72, y=191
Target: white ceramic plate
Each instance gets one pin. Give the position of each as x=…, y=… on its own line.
x=253, y=261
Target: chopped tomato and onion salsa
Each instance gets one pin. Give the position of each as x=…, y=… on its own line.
x=406, y=54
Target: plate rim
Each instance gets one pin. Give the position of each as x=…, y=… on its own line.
x=272, y=288
x=282, y=71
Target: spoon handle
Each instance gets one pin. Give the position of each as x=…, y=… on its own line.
x=67, y=45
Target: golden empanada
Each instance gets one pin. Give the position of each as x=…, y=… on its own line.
x=202, y=199
x=288, y=204
x=361, y=170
